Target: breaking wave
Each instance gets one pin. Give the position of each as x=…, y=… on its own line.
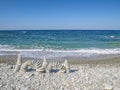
x=51, y=54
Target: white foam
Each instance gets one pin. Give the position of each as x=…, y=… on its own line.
x=112, y=37
x=21, y=50
x=6, y=46
x=49, y=53
x=87, y=50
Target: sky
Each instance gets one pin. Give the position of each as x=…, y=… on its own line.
x=59, y=14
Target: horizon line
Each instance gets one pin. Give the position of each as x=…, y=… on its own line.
x=55, y=29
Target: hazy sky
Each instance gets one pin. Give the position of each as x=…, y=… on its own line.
x=59, y=14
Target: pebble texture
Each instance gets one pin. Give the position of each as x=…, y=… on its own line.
x=81, y=77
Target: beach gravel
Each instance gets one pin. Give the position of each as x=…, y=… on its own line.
x=81, y=77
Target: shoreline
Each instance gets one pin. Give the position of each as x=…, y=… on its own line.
x=11, y=59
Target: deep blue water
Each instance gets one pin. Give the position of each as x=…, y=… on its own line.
x=62, y=43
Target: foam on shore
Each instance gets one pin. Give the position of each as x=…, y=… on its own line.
x=62, y=54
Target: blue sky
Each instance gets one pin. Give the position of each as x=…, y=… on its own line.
x=59, y=14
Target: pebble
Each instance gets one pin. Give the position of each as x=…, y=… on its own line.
x=108, y=87
x=86, y=78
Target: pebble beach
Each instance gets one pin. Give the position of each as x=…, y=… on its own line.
x=84, y=76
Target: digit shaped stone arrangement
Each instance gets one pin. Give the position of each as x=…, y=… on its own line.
x=65, y=67
x=44, y=67
x=24, y=67
x=18, y=63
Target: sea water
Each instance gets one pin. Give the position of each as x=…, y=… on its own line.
x=60, y=44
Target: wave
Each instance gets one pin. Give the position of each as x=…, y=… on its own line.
x=6, y=47
x=113, y=37
x=51, y=54
x=84, y=50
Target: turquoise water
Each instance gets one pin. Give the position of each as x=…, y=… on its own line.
x=61, y=43
x=63, y=39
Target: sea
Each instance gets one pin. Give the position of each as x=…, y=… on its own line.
x=60, y=44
